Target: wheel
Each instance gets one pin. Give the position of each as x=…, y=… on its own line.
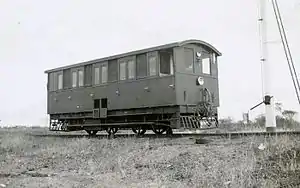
x=112, y=130
x=169, y=131
x=139, y=130
x=217, y=121
x=159, y=130
x=91, y=133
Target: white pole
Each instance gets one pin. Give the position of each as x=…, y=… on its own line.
x=268, y=99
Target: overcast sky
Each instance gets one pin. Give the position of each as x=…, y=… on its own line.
x=39, y=35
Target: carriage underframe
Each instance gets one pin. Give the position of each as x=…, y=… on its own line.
x=189, y=117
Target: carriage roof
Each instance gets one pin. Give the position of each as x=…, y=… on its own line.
x=161, y=47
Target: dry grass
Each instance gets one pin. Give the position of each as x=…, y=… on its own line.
x=31, y=161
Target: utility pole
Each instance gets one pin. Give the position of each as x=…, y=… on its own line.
x=270, y=122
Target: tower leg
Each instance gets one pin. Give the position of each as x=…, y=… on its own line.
x=270, y=119
x=270, y=114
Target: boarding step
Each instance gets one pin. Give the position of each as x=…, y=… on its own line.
x=56, y=125
x=195, y=122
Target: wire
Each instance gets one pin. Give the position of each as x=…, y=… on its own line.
x=287, y=44
x=286, y=47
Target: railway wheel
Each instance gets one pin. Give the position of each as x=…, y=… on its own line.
x=91, y=133
x=139, y=130
x=216, y=122
x=159, y=130
x=169, y=131
x=112, y=130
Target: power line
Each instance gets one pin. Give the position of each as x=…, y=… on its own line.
x=286, y=48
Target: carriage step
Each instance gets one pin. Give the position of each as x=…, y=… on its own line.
x=194, y=122
x=57, y=126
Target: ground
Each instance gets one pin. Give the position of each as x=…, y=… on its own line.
x=29, y=160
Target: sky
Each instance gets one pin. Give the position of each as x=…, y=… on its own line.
x=40, y=35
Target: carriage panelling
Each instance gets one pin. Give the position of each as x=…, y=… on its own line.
x=187, y=92
x=142, y=93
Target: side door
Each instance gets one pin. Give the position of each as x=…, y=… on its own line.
x=96, y=108
x=100, y=108
x=103, y=108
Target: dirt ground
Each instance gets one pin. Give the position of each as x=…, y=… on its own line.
x=29, y=160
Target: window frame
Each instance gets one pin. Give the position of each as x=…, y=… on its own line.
x=58, y=74
x=150, y=55
x=96, y=66
x=76, y=71
x=209, y=64
x=111, y=62
x=136, y=66
x=213, y=58
x=119, y=69
x=51, y=81
x=101, y=65
x=199, y=60
x=66, y=78
x=78, y=76
x=171, y=53
x=88, y=75
x=125, y=60
x=194, y=60
x=55, y=81
x=72, y=78
x=134, y=69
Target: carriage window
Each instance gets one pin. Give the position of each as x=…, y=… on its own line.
x=214, y=58
x=60, y=81
x=152, y=66
x=74, y=79
x=112, y=70
x=51, y=82
x=141, y=65
x=198, y=63
x=88, y=77
x=55, y=82
x=97, y=76
x=80, y=78
x=188, y=60
x=206, y=66
x=66, y=78
x=172, y=65
x=198, y=66
x=131, y=69
x=122, y=70
x=166, y=63
x=103, y=74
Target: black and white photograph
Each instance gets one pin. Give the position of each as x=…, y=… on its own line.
x=149, y=94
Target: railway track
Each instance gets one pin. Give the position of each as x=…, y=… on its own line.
x=175, y=135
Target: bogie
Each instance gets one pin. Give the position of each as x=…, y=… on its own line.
x=139, y=130
x=112, y=130
x=91, y=133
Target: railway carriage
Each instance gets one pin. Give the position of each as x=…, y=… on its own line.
x=167, y=87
